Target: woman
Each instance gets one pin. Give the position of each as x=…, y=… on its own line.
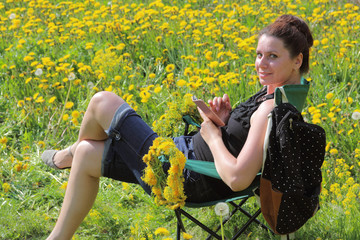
x=113, y=138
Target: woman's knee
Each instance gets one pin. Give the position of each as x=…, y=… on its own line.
x=103, y=106
x=104, y=98
x=88, y=156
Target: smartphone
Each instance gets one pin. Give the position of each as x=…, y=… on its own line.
x=208, y=112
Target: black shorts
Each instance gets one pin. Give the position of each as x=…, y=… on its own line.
x=130, y=139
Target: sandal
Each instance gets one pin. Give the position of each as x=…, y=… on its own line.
x=48, y=158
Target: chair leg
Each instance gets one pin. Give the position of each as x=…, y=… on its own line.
x=289, y=236
x=197, y=222
x=238, y=207
x=179, y=224
x=246, y=225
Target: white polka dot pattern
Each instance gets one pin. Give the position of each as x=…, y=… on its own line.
x=293, y=166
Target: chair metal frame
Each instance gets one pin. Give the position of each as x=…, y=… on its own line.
x=213, y=233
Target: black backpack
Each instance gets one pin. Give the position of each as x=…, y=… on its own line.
x=291, y=176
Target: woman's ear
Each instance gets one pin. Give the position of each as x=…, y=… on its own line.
x=298, y=61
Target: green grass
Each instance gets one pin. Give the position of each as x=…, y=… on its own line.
x=133, y=43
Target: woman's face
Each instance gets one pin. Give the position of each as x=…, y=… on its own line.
x=274, y=65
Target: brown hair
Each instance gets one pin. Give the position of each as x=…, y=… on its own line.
x=295, y=34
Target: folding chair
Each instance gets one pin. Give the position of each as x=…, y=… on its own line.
x=203, y=168
x=294, y=94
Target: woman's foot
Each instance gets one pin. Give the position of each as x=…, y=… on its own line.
x=58, y=159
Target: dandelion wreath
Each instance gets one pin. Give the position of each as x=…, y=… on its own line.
x=168, y=188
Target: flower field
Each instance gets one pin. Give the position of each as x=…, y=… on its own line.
x=55, y=55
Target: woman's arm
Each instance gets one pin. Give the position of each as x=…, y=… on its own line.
x=238, y=173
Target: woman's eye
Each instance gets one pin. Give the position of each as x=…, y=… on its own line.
x=273, y=56
x=259, y=55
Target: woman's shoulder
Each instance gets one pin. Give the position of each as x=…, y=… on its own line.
x=260, y=115
x=267, y=106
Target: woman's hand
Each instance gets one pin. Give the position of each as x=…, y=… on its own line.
x=221, y=106
x=209, y=131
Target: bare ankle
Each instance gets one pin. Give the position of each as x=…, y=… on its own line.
x=63, y=158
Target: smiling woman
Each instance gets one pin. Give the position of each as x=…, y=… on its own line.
x=113, y=138
x=283, y=52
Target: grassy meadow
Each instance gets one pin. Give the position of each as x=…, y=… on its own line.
x=55, y=55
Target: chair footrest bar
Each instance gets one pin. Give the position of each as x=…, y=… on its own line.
x=246, y=225
x=211, y=232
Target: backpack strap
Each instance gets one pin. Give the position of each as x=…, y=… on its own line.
x=294, y=94
x=266, y=139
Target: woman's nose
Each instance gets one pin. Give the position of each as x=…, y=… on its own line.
x=263, y=62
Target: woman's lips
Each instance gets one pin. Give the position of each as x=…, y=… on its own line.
x=264, y=74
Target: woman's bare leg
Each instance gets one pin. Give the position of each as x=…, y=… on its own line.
x=97, y=118
x=85, y=172
x=81, y=190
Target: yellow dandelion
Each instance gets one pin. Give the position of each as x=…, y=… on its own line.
x=25, y=166
x=131, y=197
x=21, y=103
x=158, y=39
x=337, y=102
x=334, y=151
x=28, y=58
x=187, y=236
x=125, y=185
x=75, y=114
x=162, y=231
x=324, y=41
x=18, y=167
x=69, y=105
x=157, y=89
x=149, y=177
x=75, y=122
x=28, y=80
x=3, y=140
x=41, y=144
x=65, y=117
x=64, y=185
x=156, y=191
x=329, y=96
x=174, y=169
x=214, y=64
x=6, y=187
x=152, y=75
x=328, y=146
x=170, y=68
x=40, y=100
x=51, y=100
x=109, y=89
x=94, y=213
x=181, y=83
x=145, y=95
x=208, y=55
